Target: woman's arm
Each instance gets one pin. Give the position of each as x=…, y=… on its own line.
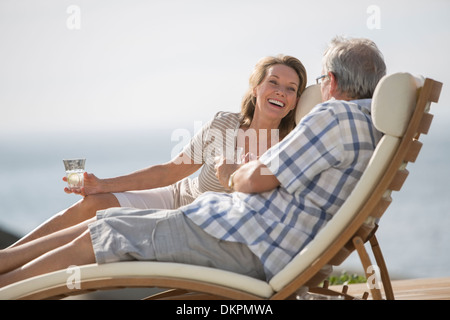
x=152, y=177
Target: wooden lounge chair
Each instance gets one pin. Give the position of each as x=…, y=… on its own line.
x=400, y=110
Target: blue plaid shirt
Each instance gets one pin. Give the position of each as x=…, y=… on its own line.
x=317, y=164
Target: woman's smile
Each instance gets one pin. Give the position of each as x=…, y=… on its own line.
x=276, y=103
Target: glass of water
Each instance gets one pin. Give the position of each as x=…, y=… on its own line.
x=74, y=173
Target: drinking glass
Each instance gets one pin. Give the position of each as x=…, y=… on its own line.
x=74, y=172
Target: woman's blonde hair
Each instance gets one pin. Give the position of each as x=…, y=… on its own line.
x=258, y=75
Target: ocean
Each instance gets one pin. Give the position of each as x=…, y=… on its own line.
x=413, y=233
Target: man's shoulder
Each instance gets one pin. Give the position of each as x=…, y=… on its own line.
x=335, y=107
x=345, y=103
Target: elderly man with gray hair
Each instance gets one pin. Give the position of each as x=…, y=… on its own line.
x=280, y=201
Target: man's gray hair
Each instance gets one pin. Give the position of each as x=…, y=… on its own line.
x=357, y=64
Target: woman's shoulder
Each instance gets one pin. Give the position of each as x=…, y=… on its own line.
x=227, y=118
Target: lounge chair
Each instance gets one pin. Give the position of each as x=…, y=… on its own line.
x=400, y=110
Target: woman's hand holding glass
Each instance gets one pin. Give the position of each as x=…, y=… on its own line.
x=92, y=185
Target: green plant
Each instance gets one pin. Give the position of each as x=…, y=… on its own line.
x=345, y=278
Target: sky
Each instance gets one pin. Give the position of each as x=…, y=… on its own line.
x=131, y=65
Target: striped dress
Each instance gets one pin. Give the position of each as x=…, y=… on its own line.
x=217, y=137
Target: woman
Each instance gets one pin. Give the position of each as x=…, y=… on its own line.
x=267, y=116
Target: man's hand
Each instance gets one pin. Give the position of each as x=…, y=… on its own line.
x=251, y=177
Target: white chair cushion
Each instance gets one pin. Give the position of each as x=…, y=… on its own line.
x=139, y=269
x=310, y=97
x=393, y=102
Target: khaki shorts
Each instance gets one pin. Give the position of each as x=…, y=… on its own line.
x=123, y=234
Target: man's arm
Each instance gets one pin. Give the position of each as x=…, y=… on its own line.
x=252, y=177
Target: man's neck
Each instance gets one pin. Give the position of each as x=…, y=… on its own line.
x=342, y=96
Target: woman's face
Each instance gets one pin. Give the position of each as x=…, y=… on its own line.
x=276, y=95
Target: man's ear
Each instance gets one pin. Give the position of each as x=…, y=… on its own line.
x=333, y=84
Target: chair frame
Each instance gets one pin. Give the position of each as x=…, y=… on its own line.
x=355, y=235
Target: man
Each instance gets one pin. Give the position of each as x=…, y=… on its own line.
x=280, y=202
x=314, y=169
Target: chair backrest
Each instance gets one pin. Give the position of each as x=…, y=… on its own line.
x=310, y=97
x=393, y=104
